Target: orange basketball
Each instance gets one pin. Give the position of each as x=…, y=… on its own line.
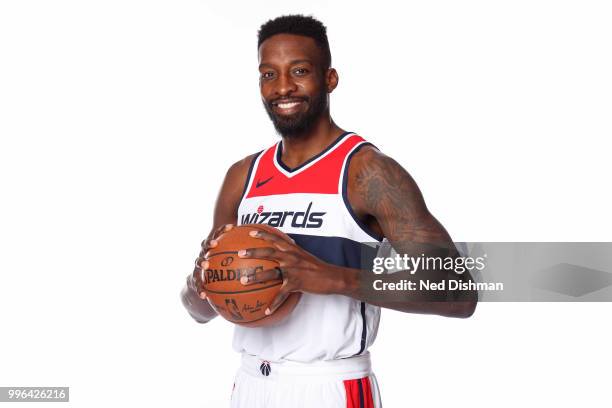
x=243, y=304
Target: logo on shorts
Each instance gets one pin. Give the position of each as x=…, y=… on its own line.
x=265, y=368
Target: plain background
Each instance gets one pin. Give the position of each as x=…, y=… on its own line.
x=118, y=120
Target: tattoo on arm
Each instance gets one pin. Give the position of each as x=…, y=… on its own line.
x=385, y=191
x=391, y=195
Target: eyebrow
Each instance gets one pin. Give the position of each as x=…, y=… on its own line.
x=293, y=62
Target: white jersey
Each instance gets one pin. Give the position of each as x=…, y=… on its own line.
x=310, y=204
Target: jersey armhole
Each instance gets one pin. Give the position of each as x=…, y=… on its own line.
x=344, y=189
x=250, y=175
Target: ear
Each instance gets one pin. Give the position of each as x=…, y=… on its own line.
x=331, y=79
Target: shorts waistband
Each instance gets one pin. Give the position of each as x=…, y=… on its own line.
x=340, y=369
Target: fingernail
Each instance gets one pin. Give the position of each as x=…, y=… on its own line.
x=202, y=295
x=254, y=233
x=228, y=227
x=204, y=264
x=242, y=252
x=244, y=280
x=213, y=243
x=268, y=312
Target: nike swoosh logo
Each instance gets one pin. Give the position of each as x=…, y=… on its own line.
x=261, y=183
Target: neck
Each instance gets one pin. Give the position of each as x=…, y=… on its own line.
x=299, y=148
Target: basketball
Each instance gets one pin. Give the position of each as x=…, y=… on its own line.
x=244, y=304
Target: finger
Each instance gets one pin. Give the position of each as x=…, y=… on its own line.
x=279, y=242
x=200, y=286
x=271, y=254
x=265, y=235
x=260, y=277
x=195, y=275
x=207, y=244
x=212, y=242
x=221, y=230
x=282, y=295
x=202, y=254
x=198, y=261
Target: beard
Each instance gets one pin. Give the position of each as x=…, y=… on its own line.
x=292, y=126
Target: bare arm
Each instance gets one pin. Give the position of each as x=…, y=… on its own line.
x=381, y=189
x=226, y=210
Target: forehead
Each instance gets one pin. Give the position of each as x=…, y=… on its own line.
x=283, y=48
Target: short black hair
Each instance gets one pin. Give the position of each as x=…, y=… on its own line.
x=298, y=24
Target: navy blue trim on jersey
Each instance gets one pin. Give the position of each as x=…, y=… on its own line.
x=248, y=177
x=338, y=250
x=279, y=152
x=364, y=329
x=363, y=226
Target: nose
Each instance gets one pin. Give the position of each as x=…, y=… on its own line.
x=285, y=85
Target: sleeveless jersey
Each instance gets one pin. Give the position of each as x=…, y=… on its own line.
x=309, y=203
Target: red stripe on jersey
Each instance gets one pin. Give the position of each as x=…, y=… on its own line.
x=322, y=177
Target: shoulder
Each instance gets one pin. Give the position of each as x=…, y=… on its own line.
x=229, y=196
x=368, y=161
x=239, y=171
x=235, y=181
x=377, y=180
x=365, y=156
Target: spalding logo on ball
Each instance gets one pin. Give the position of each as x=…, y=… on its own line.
x=244, y=304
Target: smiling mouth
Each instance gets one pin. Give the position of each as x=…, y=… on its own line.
x=287, y=106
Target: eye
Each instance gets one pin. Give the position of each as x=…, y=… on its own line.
x=267, y=75
x=300, y=71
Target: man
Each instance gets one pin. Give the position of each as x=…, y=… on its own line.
x=336, y=193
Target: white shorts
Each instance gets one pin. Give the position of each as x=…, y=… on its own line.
x=345, y=383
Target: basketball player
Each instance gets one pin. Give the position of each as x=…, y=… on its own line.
x=332, y=192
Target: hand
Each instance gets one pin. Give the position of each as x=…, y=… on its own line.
x=196, y=280
x=299, y=270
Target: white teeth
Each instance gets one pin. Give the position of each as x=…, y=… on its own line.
x=288, y=105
